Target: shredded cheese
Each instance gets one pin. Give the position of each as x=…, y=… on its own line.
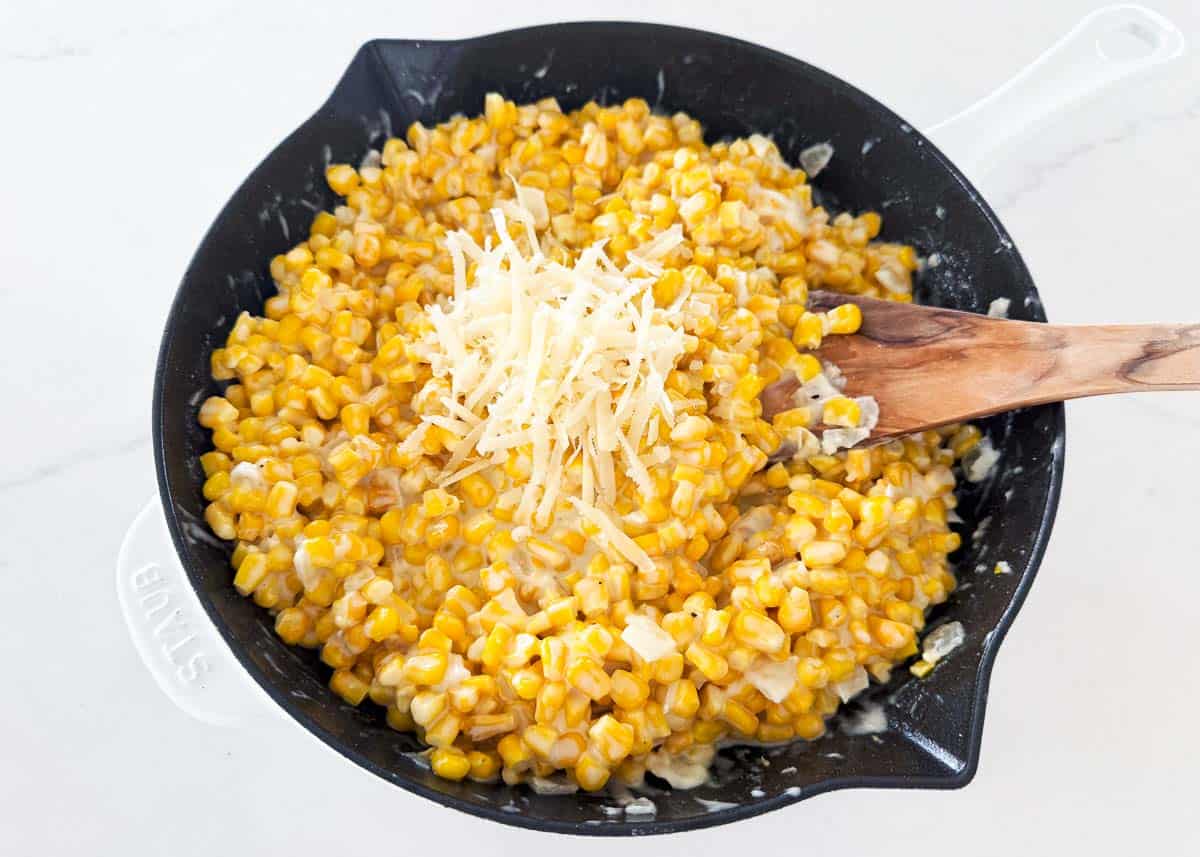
x=570, y=362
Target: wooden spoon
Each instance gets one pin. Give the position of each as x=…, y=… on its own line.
x=927, y=367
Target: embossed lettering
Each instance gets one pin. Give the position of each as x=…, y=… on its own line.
x=170, y=650
x=159, y=599
x=191, y=669
x=147, y=576
x=173, y=616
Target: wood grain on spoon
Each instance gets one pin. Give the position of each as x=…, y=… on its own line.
x=927, y=367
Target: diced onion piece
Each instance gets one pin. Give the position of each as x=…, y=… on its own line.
x=773, y=679
x=651, y=642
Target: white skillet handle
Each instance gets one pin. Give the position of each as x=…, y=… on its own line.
x=1080, y=64
x=176, y=640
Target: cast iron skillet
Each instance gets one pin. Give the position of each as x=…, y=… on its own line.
x=734, y=88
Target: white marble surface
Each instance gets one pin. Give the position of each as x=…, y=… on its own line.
x=128, y=123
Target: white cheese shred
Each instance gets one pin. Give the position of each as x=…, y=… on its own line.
x=568, y=362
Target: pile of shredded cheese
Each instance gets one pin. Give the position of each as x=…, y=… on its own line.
x=572, y=361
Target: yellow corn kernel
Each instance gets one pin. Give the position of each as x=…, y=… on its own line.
x=591, y=773
x=427, y=706
x=478, y=527
x=482, y=727
x=808, y=331
x=348, y=686
x=682, y=699
x=945, y=542
x=356, y=419
x=450, y=763
x=795, y=612
x=428, y=668
x=281, y=500
x=550, y=699
x=691, y=429
x=215, y=462
x=818, y=553
x=759, y=632
x=837, y=518
x=769, y=591
x=292, y=624
x=217, y=411
x=629, y=691
x=437, y=502
x=668, y=669
x=810, y=726
x=708, y=732
x=441, y=532
x=910, y=561
x=846, y=318
x=391, y=526
x=382, y=623
x=713, y=666
x=483, y=766
x=589, y=678
x=547, y=554
x=216, y=485
x=921, y=668
x=611, y=739
x=716, y=626
x=567, y=750
x=806, y=503
x=889, y=634
x=540, y=738
x=527, y=683
x=251, y=573
x=478, y=491
x=841, y=411
x=513, y=751
x=740, y=717
x=342, y=178
x=666, y=288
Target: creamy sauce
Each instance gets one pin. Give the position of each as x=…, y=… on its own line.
x=685, y=770
x=641, y=806
x=545, y=786
x=714, y=805
x=870, y=721
x=979, y=462
x=247, y=474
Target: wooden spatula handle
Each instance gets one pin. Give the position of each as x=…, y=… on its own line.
x=1092, y=360
x=930, y=367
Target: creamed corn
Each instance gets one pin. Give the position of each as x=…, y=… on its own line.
x=771, y=591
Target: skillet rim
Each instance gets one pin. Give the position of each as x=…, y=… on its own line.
x=371, y=52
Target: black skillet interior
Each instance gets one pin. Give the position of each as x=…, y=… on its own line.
x=735, y=89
